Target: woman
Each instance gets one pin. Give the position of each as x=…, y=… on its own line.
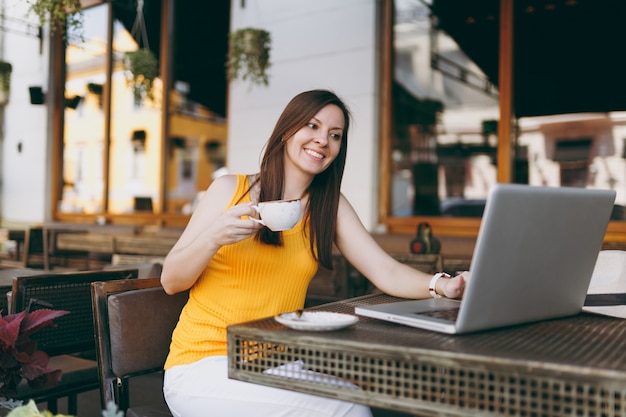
x=239, y=271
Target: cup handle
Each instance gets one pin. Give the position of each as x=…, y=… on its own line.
x=257, y=209
x=259, y=221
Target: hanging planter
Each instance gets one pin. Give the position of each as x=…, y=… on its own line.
x=144, y=68
x=64, y=15
x=5, y=82
x=142, y=63
x=249, y=55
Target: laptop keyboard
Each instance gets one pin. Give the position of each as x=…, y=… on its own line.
x=449, y=314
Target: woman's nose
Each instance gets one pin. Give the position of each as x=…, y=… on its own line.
x=322, y=138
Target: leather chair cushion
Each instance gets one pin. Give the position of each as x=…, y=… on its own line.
x=143, y=342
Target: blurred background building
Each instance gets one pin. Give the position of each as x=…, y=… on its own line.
x=448, y=98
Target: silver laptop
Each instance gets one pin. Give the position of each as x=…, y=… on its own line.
x=533, y=260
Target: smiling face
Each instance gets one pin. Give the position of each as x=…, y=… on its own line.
x=315, y=146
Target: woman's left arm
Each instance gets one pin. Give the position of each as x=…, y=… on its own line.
x=389, y=275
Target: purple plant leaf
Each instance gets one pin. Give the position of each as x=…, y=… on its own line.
x=37, y=366
x=19, y=357
x=22, y=357
x=26, y=345
x=38, y=319
x=38, y=374
x=10, y=331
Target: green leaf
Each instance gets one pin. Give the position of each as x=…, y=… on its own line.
x=28, y=410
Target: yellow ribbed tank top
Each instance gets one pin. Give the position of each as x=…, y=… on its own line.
x=244, y=281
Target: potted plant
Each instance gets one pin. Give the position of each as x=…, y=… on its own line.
x=144, y=68
x=5, y=81
x=249, y=55
x=19, y=357
x=65, y=15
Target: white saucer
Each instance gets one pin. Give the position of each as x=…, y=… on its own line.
x=316, y=320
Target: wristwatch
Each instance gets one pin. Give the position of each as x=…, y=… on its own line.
x=432, y=287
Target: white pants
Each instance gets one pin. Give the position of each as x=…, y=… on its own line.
x=203, y=389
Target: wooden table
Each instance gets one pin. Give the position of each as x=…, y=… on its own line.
x=568, y=367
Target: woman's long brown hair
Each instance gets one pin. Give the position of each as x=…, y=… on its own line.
x=325, y=189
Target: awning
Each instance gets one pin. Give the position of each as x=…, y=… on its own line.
x=567, y=53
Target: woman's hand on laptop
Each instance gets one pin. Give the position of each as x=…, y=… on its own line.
x=453, y=287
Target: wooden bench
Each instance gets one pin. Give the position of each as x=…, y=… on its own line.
x=125, y=259
x=86, y=242
x=144, y=245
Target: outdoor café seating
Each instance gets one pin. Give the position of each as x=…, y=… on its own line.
x=134, y=320
x=71, y=343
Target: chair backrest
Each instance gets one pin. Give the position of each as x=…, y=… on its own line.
x=134, y=320
x=6, y=283
x=34, y=247
x=69, y=291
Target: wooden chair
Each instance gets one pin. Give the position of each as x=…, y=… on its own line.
x=330, y=285
x=71, y=343
x=134, y=320
x=6, y=284
x=31, y=253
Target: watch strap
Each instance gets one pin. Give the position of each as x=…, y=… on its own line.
x=432, y=287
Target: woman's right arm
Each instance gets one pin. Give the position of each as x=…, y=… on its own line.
x=209, y=228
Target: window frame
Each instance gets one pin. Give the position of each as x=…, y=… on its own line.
x=57, y=77
x=458, y=227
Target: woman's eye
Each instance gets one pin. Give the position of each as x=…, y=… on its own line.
x=311, y=125
x=336, y=136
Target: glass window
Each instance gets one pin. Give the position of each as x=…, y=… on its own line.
x=577, y=150
x=117, y=160
x=197, y=109
x=445, y=107
x=135, y=147
x=445, y=114
x=83, y=141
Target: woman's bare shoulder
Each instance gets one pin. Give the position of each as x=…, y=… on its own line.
x=344, y=205
x=218, y=195
x=224, y=184
x=220, y=191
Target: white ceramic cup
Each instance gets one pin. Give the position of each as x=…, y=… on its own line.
x=279, y=214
